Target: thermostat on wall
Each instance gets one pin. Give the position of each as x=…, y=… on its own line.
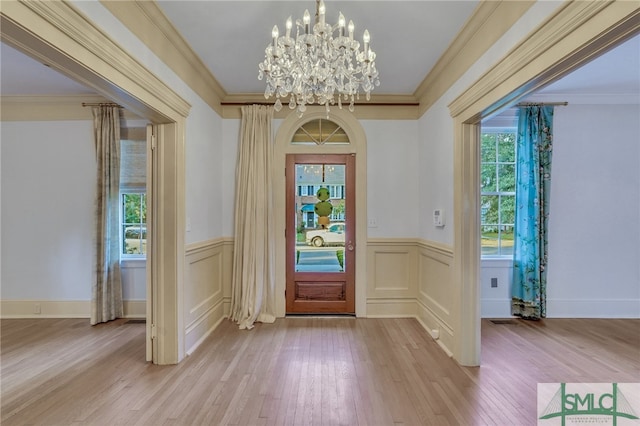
x=438, y=217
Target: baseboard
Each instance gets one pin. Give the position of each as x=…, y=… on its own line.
x=565, y=308
x=63, y=309
x=135, y=308
x=593, y=308
x=199, y=330
x=391, y=308
x=440, y=331
x=495, y=308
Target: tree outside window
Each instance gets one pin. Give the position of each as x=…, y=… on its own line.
x=497, y=188
x=134, y=223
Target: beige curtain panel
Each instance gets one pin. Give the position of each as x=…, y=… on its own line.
x=106, y=292
x=252, y=297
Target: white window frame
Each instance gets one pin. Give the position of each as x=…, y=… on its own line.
x=499, y=194
x=123, y=191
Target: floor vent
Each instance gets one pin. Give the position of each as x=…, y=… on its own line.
x=504, y=321
x=136, y=321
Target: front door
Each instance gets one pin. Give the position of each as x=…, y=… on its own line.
x=320, y=233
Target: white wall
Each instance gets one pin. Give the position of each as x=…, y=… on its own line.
x=392, y=178
x=48, y=184
x=392, y=175
x=594, y=222
x=229, y=153
x=435, y=191
x=48, y=177
x=436, y=128
x=204, y=187
x=204, y=167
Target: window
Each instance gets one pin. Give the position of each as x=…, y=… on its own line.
x=320, y=132
x=133, y=198
x=134, y=223
x=336, y=191
x=497, y=191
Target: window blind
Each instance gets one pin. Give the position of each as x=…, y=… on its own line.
x=133, y=160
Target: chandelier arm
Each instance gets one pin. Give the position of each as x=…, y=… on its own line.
x=317, y=66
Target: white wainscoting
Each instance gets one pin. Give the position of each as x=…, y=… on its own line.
x=495, y=302
x=434, y=302
x=207, y=270
x=411, y=278
x=391, y=278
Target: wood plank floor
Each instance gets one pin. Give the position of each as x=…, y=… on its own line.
x=317, y=371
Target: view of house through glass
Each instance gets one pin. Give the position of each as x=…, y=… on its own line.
x=497, y=187
x=320, y=213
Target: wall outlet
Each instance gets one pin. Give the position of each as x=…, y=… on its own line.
x=36, y=309
x=494, y=283
x=372, y=222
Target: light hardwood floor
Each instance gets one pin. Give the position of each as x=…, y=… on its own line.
x=319, y=371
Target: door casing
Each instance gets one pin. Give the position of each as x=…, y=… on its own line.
x=357, y=146
x=346, y=278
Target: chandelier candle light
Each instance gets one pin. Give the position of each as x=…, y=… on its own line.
x=319, y=62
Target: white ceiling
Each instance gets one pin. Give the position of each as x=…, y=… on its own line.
x=230, y=37
x=407, y=36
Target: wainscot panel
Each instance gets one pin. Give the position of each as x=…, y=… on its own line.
x=434, y=290
x=391, y=277
x=204, y=295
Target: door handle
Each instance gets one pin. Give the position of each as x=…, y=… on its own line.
x=350, y=246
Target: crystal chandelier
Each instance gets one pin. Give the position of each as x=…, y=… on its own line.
x=321, y=64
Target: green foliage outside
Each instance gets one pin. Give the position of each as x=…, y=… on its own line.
x=134, y=219
x=338, y=208
x=497, y=186
x=134, y=208
x=340, y=255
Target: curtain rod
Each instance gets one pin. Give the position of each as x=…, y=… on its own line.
x=542, y=103
x=86, y=104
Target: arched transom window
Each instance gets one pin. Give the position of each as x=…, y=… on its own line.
x=320, y=132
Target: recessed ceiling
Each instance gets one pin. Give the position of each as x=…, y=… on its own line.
x=614, y=72
x=408, y=37
x=21, y=75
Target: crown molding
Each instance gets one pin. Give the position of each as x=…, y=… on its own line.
x=47, y=108
x=379, y=107
x=52, y=108
x=489, y=22
x=548, y=52
x=55, y=32
x=248, y=98
x=147, y=21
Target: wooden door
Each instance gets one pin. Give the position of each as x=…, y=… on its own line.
x=320, y=247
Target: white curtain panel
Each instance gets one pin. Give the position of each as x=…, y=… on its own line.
x=252, y=297
x=106, y=292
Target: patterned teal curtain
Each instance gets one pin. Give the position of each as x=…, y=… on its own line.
x=533, y=181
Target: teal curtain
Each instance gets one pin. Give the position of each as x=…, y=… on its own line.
x=533, y=181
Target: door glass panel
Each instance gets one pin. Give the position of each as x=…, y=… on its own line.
x=320, y=217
